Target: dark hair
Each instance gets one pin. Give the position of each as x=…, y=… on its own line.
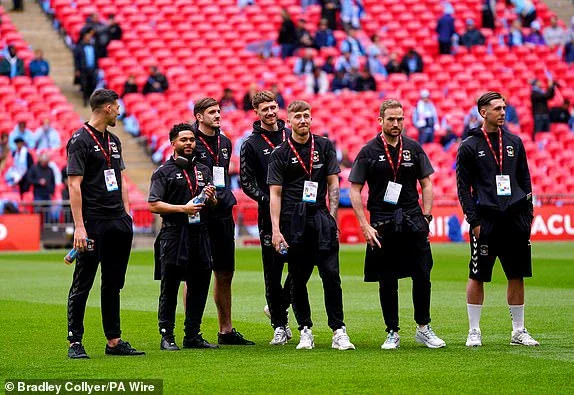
x=298, y=106
x=391, y=103
x=179, y=127
x=262, y=97
x=101, y=97
x=485, y=99
x=204, y=104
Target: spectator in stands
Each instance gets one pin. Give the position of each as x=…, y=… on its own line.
x=114, y=29
x=10, y=64
x=352, y=11
x=412, y=62
x=131, y=124
x=472, y=36
x=248, y=96
x=329, y=65
x=539, y=98
x=488, y=14
x=39, y=67
x=86, y=64
x=561, y=113
x=46, y=137
x=287, y=35
x=305, y=64
x=425, y=118
x=317, y=82
x=449, y=138
x=227, y=102
x=20, y=131
x=4, y=149
x=365, y=81
x=278, y=96
x=17, y=5
x=347, y=62
x=445, y=30
x=554, y=35
x=525, y=10
x=515, y=36
x=352, y=44
x=23, y=161
x=472, y=120
x=130, y=85
x=304, y=37
x=374, y=53
x=42, y=177
x=339, y=82
x=393, y=65
x=535, y=36
x=329, y=11
x=324, y=36
x=100, y=37
x=156, y=82
x=569, y=51
x=511, y=113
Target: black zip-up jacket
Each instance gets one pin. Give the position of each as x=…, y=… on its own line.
x=225, y=198
x=254, y=163
x=539, y=99
x=476, y=171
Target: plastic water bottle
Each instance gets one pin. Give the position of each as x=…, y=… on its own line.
x=282, y=249
x=199, y=199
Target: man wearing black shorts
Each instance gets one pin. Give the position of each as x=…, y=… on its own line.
x=398, y=245
x=182, y=249
x=268, y=132
x=495, y=193
x=300, y=172
x=100, y=208
x=213, y=149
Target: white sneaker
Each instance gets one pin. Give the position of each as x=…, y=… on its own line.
x=474, y=338
x=521, y=337
x=341, y=340
x=427, y=337
x=288, y=332
x=392, y=342
x=279, y=337
x=307, y=340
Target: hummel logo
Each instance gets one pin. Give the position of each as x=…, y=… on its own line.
x=266, y=151
x=481, y=154
x=178, y=176
x=381, y=158
x=96, y=148
x=293, y=160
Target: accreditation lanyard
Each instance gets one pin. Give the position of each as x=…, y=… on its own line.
x=310, y=170
x=498, y=162
x=215, y=154
x=399, y=159
x=106, y=154
x=269, y=141
x=191, y=188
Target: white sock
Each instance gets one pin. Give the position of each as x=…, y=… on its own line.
x=474, y=311
x=517, y=315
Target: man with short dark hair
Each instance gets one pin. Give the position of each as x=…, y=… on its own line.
x=268, y=133
x=213, y=149
x=182, y=249
x=100, y=208
x=397, y=236
x=495, y=193
x=301, y=170
x=86, y=63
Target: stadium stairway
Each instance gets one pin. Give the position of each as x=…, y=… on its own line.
x=37, y=30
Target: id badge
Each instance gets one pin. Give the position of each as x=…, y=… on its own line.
x=310, y=191
x=219, y=176
x=503, y=185
x=194, y=219
x=393, y=192
x=111, y=181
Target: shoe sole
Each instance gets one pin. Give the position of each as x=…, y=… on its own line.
x=474, y=345
x=525, y=345
x=390, y=348
x=430, y=345
x=342, y=348
x=306, y=347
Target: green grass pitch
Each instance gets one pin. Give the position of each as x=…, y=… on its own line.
x=33, y=294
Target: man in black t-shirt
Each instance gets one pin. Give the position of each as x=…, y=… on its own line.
x=300, y=171
x=100, y=207
x=182, y=249
x=397, y=235
x=268, y=132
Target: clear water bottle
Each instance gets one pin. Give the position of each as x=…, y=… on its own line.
x=199, y=199
x=282, y=249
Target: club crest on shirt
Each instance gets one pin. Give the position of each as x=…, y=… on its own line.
x=178, y=176
x=481, y=154
x=199, y=176
x=382, y=158
x=510, y=151
x=225, y=153
x=407, y=156
x=315, y=156
x=114, y=147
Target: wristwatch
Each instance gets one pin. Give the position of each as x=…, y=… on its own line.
x=428, y=217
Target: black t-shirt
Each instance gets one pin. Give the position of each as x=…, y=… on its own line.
x=372, y=166
x=285, y=170
x=169, y=185
x=85, y=158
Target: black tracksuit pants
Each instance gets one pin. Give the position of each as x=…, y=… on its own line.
x=112, y=247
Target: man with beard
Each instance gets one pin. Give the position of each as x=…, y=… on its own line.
x=397, y=235
x=268, y=133
x=182, y=250
x=213, y=149
x=100, y=208
x=300, y=172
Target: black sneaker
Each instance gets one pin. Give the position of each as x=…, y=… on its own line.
x=197, y=342
x=233, y=338
x=76, y=351
x=168, y=343
x=123, y=348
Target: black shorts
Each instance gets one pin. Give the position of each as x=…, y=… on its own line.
x=509, y=240
x=222, y=238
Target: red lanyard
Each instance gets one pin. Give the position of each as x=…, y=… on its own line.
x=301, y=160
x=269, y=141
x=106, y=154
x=499, y=164
x=207, y=147
x=400, y=158
x=191, y=189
